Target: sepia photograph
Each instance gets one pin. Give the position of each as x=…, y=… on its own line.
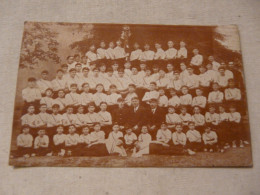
x=130, y=95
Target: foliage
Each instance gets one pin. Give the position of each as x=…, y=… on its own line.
x=39, y=44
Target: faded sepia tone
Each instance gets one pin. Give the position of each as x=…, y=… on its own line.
x=107, y=80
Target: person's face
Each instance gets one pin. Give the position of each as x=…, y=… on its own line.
x=43, y=108
x=84, y=60
x=135, y=102
x=153, y=104
x=44, y=76
x=184, y=90
x=70, y=60
x=183, y=67
x=162, y=73
x=170, y=44
x=215, y=87
x=209, y=66
x=41, y=133
x=173, y=93
x=86, y=88
x=155, y=69
x=127, y=65
x=80, y=110
x=60, y=130
x=70, y=110
x=64, y=69
x=211, y=109
x=222, y=71
x=178, y=128
x=102, y=44
x=31, y=84
x=118, y=43
x=202, y=69
x=121, y=74
x=103, y=107
x=78, y=68
x=97, y=127
x=77, y=58
x=121, y=104
x=115, y=66
x=182, y=44
x=92, y=48
x=196, y=110
x=113, y=90
x=48, y=93
x=59, y=74
x=152, y=86
x=129, y=131
x=131, y=89
x=142, y=66
x=85, y=72
x=211, y=58
x=221, y=109
x=31, y=109
x=144, y=129
x=85, y=130
x=190, y=71
x=72, y=129
x=231, y=66
x=61, y=94
x=163, y=127
x=72, y=73
x=191, y=126
x=146, y=47
x=171, y=110
x=73, y=89
x=136, y=46
x=111, y=45
x=26, y=130
x=198, y=92
x=183, y=110
x=102, y=68
x=161, y=92
x=110, y=73
x=148, y=72
x=134, y=71
x=96, y=72
x=195, y=51
x=176, y=76
x=116, y=128
x=207, y=130
x=169, y=67
x=91, y=109
x=157, y=45
x=99, y=88
x=55, y=110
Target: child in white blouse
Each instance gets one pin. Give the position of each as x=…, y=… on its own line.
x=59, y=142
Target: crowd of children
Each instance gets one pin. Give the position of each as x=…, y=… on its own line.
x=110, y=102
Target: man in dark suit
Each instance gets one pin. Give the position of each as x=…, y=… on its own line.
x=119, y=114
x=155, y=117
x=136, y=116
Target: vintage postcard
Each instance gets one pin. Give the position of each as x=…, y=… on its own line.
x=128, y=95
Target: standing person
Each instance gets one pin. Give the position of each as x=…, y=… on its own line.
x=99, y=96
x=142, y=145
x=147, y=53
x=101, y=52
x=172, y=118
x=199, y=99
x=223, y=132
x=105, y=118
x=31, y=94
x=191, y=80
x=114, y=142
x=73, y=98
x=122, y=81
x=70, y=62
x=47, y=99
x=112, y=97
x=232, y=94
x=59, y=82
x=136, y=53
x=131, y=94
x=215, y=64
x=119, y=51
x=120, y=113
x=182, y=53
x=198, y=119
x=110, y=53
x=30, y=119
x=43, y=83
x=91, y=55
x=73, y=79
x=86, y=97
x=171, y=52
x=71, y=141
x=210, y=139
x=92, y=116
x=185, y=118
x=196, y=60
x=60, y=100
x=215, y=96
x=159, y=54
x=185, y=98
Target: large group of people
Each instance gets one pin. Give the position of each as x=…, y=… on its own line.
x=113, y=102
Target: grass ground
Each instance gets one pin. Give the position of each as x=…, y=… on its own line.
x=231, y=158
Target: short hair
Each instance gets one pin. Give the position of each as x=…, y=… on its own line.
x=25, y=126
x=55, y=106
x=99, y=84
x=102, y=103
x=83, y=85
x=78, y=64
x=91, y=104
x=112, y=86
x=73, y=85
x=72, y=69
x=191, y=122
x=85, y=68
x=31, y=79
x=43, y=104
x=45, y=72
x=132, y=85
x=69, y=57
x=120, y=70
x=59, y=70
x=153, y=83
x=64, y=65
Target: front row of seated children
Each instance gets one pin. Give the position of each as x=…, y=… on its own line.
x=94, y=143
